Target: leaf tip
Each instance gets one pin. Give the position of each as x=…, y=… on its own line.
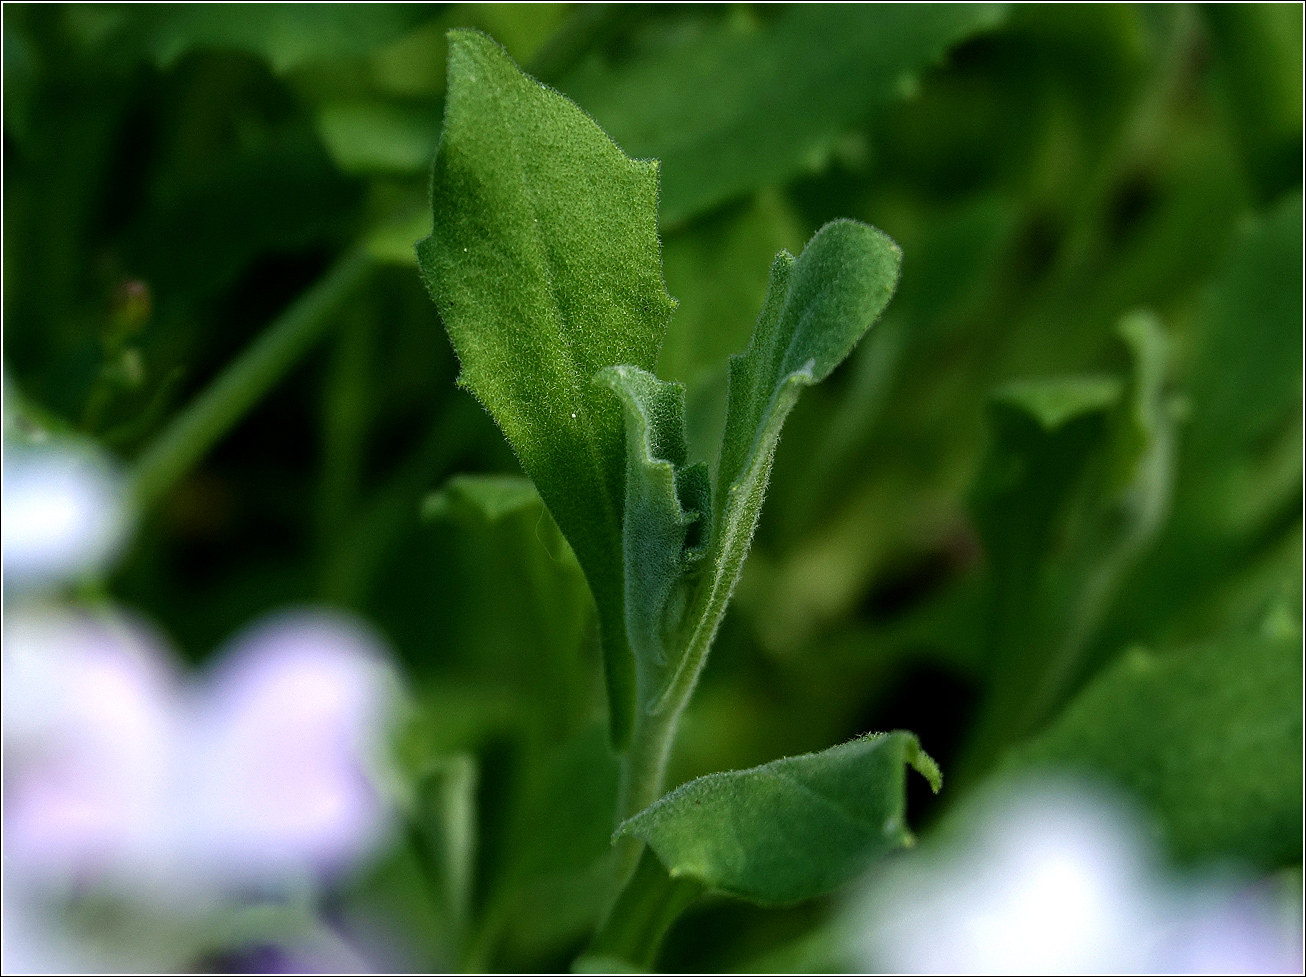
x=924, y=764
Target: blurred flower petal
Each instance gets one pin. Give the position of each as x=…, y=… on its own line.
x=1056, y=878
x=89, y=725
x=266, y=773
x=65, y=513
x=288, y=736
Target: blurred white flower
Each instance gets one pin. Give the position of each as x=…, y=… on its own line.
x=1056, y=878
x=65, y=512
x=124, y=779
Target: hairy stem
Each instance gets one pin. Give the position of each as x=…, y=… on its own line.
x=643, y=775
x=244, y=382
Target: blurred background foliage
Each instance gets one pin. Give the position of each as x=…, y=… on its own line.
x=1050, y=510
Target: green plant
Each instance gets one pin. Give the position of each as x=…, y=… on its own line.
x=1037, y=498
x=544, y=262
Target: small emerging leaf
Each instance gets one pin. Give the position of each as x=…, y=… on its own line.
x=792, y=829
x=544, y=263
x=665, y=503
x=816, y=309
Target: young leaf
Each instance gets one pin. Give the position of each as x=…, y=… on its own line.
x=544, y=263
x=665, y=503
x=717, y=269
x=816, y=309
x=1210, y=738
x=792, y=829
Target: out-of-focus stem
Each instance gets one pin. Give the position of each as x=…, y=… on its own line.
x=244, y=382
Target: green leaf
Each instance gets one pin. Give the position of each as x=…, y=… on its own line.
x=512, y=603
x=544, y=263
x=445, y=815
x=287, y=34
x=366, y=136
x=1055, y=403
x=1238, y=491
x=1209, y=737
x=1258, y=50
x=668, y=504
x=1247, y=371
x=816, y=309
x=780, y=94
x=1075, y=486
x=492, y=497
x=792, y=829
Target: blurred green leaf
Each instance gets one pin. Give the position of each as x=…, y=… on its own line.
x=1259, y=49
x=1210, y=737
x=791, y=829
x=781, y=92
x=287, y=34
x=445, y=816
x=378, y=137
x=491, y=497
x=1239, y=483
x=1245, y=378
x=1075, y=486
x=717, y=269
x=557, y=873
x=519, y=614
x=544, y=263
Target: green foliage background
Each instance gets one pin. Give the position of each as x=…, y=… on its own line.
x=1048, y=512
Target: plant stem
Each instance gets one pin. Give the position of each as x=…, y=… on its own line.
x=648, y=905
x=244, y=382
x=643, y=776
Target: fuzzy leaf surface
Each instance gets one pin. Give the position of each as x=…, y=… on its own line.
x=792, y=829
x=544, y=263
x=817, y=307
x=666, y=502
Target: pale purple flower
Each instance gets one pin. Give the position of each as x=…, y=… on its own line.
x=263, y=777
x=286, y=748
x=262, y=771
